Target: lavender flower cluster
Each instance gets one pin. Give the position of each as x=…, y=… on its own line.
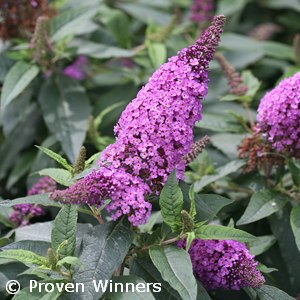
x=224, y=264
x=153, y=134
x=279, y=116
x=22, y=213
x=77, y=69
x=202, y=11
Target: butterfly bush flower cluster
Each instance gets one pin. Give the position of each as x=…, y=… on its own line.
x=202, y=11
x=15, y=22
x=279, y=116
x=224, y=264
x=153, y=134
x=22, y=213
x=77, y=69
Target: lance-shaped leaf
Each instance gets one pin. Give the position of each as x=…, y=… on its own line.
x=104, y=249
x=66, y=111
x=16, y=80
x=217, y=232
x=171, y=203
x=61, y=176
x=175, y=267
x=64, y=229
x=24, y=256
x=262, y=204
x=268, y=292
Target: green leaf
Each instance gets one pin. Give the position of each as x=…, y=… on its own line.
x=67, y=22
x=175, y=267
x=228, y=7
x=157, y=53
x=66, y=111
x=262, y=204
x=278, y=50
x=62, y=161
x=42, y=199
x=252, y=83
x=265, y=269
x=61, y=176
x=35, y=294
x=268, y=292
x=21, y=168
x=70, y=260
x=171, y=203
x=281, y=229
x=24, y=256
x=144, y=268
x=103, y=250
x=102, y=51
x=207, y=205
x=219, y=123
x=139, y=292
x=145, y=13
x=118, y=23
x=64, y=229
x=35, y=232
x=295, y=223
x=227, y=143
x=217, y=232
x=193, y=211
x=261, y=244
x=189, y=239
x=16, y=80
x=223, y=171
x=38, y=247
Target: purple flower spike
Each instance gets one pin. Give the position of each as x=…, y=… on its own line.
x=22, y=213
x=224, y=264
x=279, y=116
x=77, y=69
x=153, y=134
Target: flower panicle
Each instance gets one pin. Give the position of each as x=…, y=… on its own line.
x=278, y=117
x=22, y=213
x=153, y=134
x=224, y=264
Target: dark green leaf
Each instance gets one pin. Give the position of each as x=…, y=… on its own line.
x=42, y=199
x=24, y=256
x=144, y=268
x=262, y=204
x=223, y=171
x=66, y=110
x=261, y=244
x=140, y=293
x=66, y=23
x=171, y=203
x=268, y=292
x=103, y=251
x=157, y=53
x=62, y=161
x=295, y=223
x=16, y=80
x=175, y=267
x=64, y=229
x=61, y=176
x=217, y=232
x=38, y=247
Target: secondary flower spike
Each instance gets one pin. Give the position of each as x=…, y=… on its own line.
x=22, y=213
x=224, y=264
x=153, y=134
x=278, y=116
